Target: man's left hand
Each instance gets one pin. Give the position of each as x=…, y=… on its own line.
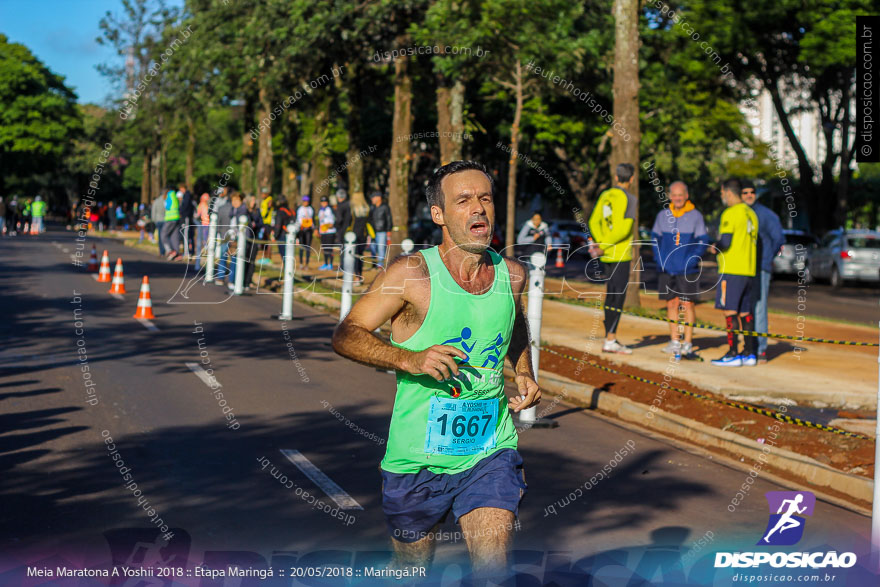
x=527, y=387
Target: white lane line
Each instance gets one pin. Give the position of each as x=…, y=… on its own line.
x=65, y=249
x=203, y=375
x=333, y=491
x=95, y=276
x=118, y=296
x=147, y=324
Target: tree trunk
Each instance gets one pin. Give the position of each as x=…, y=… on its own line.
x=626, y=112
x=155, y=177
x=805, y=169
x=510, y=229
x=145, y=178
x=265, y=161
x=845, y=158
x=163, y=164
x=247, y=149
x=190, y=152
x=320, y=163
x=351, y=92
x=450, y=120
x=305, y=185
x=398, y=196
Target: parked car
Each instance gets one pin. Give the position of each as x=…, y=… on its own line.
x=795, y=252
x=845, y=255
x=569, y=232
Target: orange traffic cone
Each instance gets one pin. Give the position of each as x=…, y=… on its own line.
x=118, y=285
x=145, y=304
x=559, y=261
x=93, y=261
x=104, y=273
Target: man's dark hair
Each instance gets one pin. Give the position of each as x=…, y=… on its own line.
x=624, y=172
x=733, y=185
x=434, y=194
x=747, y=184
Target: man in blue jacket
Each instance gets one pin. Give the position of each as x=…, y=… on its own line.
x=770, y=240
x=680, y=238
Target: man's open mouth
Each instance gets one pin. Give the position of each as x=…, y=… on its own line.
x=479, y=228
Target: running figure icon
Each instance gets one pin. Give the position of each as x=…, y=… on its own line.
x=786, y=522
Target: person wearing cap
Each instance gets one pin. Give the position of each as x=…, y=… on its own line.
x=327, y=231
x=380, y=219
x=770, y=240
x=343, y=219
x=305, y=218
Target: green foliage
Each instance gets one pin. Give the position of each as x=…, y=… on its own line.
x=38, y=119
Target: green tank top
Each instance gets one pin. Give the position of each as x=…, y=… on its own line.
x=449, y=426
x=172, y=213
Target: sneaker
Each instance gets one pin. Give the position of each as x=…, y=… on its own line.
x=687, y=348
x=613, y=346
x=729, y=360
x=669, y=349
x=749, y=360
x=762, y=358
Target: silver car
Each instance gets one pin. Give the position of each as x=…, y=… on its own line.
x=845, y=255
x=795, y=252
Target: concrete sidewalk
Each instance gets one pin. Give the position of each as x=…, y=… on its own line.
x=819, y=374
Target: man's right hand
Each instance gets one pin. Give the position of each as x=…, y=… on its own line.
x=437, y=361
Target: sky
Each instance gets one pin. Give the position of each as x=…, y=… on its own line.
x=61, y=34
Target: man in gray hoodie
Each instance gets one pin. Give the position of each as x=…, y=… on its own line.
x=221, y=205
x=157, y=213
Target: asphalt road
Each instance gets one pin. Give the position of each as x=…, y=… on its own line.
x=64, y=499
x=856, y=302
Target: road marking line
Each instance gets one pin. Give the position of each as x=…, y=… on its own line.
x=118, y=296
x=333, y=491
x=203, y=375
x=65, y=249
x=147, y=324
x=95, y=276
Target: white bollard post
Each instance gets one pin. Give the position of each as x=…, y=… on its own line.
x=347, y=274
x=212, y=240
x=240, y=256
x=407, y=246
x=533, y=315
x=875, y=507
x=287, y=295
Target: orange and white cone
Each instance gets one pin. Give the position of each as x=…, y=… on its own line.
x=118, y=285
x=559, y=261
x=93, y=260
x=145, y=304
x=104, y=273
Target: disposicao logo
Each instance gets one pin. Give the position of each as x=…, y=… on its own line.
x=786, y=525
x=785, y=528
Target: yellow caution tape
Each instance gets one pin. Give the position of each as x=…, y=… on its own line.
x=756, y=410
x=746, y=332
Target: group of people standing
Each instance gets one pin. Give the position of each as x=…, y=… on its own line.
x=750, y=235
x=26, y=216
x=181, y=222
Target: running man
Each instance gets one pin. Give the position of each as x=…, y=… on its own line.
x=737, y=252
x=680, y=238
x=452, y=442
x=786, y=522
x=611, y=227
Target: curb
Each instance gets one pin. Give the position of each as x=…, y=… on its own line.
x=702, y=435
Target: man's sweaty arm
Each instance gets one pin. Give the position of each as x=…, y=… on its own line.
x=519, y=350
x=387, y=296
